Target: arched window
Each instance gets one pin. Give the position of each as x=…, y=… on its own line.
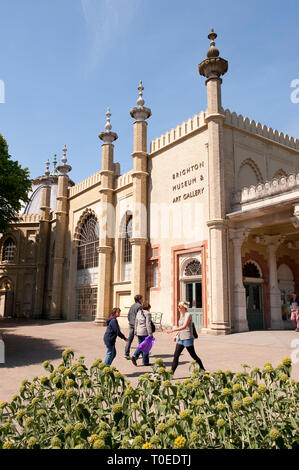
x=8, y=252
x=193, y=268
x=88, y=244
x=127, y=244
x=251, y=270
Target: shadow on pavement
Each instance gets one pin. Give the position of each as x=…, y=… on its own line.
x=16, y=322
x=26, y=350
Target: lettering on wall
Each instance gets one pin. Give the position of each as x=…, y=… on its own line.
x=188, y=182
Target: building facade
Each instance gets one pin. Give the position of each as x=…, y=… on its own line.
x=208, y=214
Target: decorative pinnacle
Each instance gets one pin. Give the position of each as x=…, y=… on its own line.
x=64, y=159
x=213, y=66
x=213, y=51
x=47, y=172
x=140, y=100
x=108, y=126
x=140, y=112
x=64, y=168
x=55, y=160
x=107, y=136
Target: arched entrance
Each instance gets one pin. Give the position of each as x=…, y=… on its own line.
x=6, y=297
x=252, y=278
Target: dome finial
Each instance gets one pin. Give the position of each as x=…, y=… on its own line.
x=47, y=172
x=64, y=168
x=140, y=100
x=213, y=51
x=108, y=126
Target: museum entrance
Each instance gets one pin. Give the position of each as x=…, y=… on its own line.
x=254, y=306
x=193, y=295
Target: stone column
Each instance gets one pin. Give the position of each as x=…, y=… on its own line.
x=106, y=224
x=139, y=175
x=60, y=231
x=44, y=227
x=239, y=293
x=212, y=68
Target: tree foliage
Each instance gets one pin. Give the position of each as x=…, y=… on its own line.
x=14, y=187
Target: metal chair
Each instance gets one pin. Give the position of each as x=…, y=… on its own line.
x=157, y=319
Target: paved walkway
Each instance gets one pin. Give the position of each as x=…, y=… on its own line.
x=29, y=343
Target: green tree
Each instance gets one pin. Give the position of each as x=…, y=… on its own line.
x=14, y=187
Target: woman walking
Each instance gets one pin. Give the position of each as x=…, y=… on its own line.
x=112, y=332
x=143, y=328
x=184, y=338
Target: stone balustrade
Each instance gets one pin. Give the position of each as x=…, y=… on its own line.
x=85, y=184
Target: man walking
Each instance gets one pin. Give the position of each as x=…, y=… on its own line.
x=131, y=318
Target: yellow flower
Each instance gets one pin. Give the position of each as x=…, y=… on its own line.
x=7, y=445
x=32, y=442
x=237, y=405
x=220, y=407
x=106, y=370
x=20, y=414
x=3, y=404
x=61, y=369
x=226, y=391
x=283, y=377
x=247, y=401
x=79, y=446
x=161, y=427
x=69, y=383
x=197, y=420
x=268, y=368
x=46, y=364
x=147, y=445
x=56, y=442
x=70, y=393
x=220, y=423
x=41, y=412
x=228, y=372
x=155, y=440
x=78, y=427
x=44, y=380
x=117, y=408
x=66, y=353
x=251, y=381
x=200, y=402
x=68, y=429
x=138, y=441
x=185, y=414
x=262, y=388
x=99, y=444
x=67, y=372
x=103, y=435
x=166, y=384
x=287, y=361
x=194, y=437
x=60, y=393
x=180, y=442
x=134, y=406
x=171, y=422
x=159, y=361
x=274, y=434
x=161, y=370
x=236, y=387
x=256, y=396
x=93, y=438
x=29, y=421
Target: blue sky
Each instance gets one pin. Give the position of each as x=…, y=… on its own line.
x=64, y=62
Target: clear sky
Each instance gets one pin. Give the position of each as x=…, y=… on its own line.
x=63, y=62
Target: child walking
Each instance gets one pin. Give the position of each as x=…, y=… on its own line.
x=112, y=332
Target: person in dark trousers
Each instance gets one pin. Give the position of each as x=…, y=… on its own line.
x=143, y=328
x=131, y=318
x=184, y=338
x=112, y=332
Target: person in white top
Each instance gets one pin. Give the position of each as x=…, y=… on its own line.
x=184, y=338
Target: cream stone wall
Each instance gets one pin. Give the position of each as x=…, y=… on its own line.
x=176, y=215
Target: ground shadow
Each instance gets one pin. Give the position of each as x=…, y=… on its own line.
x=23, y=350
x=16, y=322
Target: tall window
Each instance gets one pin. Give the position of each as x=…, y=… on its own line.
x=8, y=252
x=87, y=270
x=127, y=251
x=88, y=244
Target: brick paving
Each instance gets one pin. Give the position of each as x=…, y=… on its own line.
x=29, y=343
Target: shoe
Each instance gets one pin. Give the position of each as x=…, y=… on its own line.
x=127, y=357
x=133, y=359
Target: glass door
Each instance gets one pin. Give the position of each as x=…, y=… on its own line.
x=193, y=295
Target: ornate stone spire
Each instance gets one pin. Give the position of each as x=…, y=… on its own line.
x=107, y=136
x=47, y=172
x=54, y=171
x=140, y=112
x=64, y=168
x=214, y=66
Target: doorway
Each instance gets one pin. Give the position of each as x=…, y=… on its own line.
x=193, y=295
x=6, y=298
x=254, y=306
